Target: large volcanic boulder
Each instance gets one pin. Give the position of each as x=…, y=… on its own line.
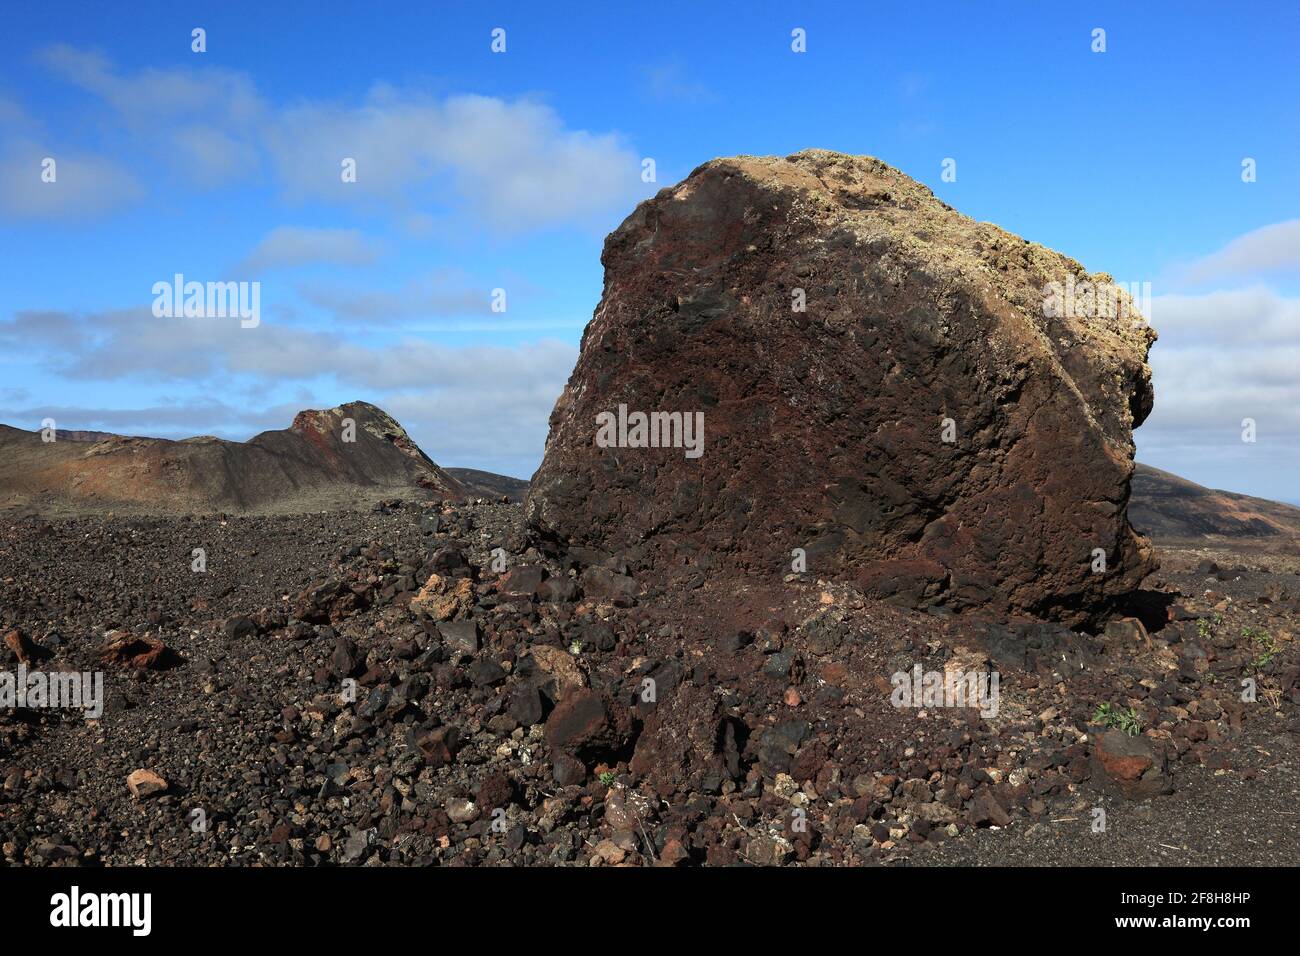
x=933, y=422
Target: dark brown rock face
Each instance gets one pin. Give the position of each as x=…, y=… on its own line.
x=925, y=403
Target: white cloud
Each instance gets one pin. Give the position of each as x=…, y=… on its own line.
x=478, y=406
x=1248, y=317
x=514, y=166
x=134, y=344
x=1269, y=250
x=1200, y=386
x=181, y=419
x=204, y=123
x=158, y=93
x=447, y=292
x=287, y=247
x=506, y=166
x=1222, y=357
x=1226, y=355
x=494, y=426
x=85, y=186
x=211, y=157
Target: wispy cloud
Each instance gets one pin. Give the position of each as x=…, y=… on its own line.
x=441, y=294
x=509, y=166
x=671, y=83
x=287, y=247
x=1222, y=357
x=82, y=185
x=503, y=166
x=483, y=405
x=1267, y=251
x=203, y=123
x=177, y=419
x=1252, y=318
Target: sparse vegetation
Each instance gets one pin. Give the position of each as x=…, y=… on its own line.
x=1263, y=640
x=1125, y=719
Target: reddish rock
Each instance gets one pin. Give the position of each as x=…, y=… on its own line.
x=439, y=746
x=683, y=739
x=673, y=854
x=346, y=657
x=142, y=653
x=824, y=428
x=21, y=646
x=1133, y=767
x=587, y=723
x=145, y=783
x=808, y=762
x=495, y=791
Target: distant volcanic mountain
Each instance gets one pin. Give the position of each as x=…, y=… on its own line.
x=324, y=459
x=485, y=484
x=1169, y=508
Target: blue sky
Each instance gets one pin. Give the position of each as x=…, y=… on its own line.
x=479, y=171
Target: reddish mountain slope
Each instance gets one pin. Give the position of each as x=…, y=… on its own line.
x=319, y=461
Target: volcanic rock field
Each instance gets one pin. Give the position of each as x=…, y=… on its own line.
x=319, y=648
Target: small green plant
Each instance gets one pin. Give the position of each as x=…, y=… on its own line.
x=607, y=777
x=1205, y=626
x=1127, y=720
x=1264, y=641
x=575, y=647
